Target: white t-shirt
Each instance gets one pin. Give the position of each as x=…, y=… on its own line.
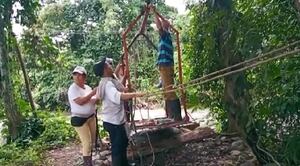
x=112, y=105
x=84, y=110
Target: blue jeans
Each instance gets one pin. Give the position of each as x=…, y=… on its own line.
x=119, y=143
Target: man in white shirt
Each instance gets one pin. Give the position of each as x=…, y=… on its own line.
x=112, y=94
x=82, y=101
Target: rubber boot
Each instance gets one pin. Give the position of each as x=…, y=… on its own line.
x=117, y=160
x=174, y=109
x=87, y=161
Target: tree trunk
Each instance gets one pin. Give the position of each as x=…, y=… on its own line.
x=27, y=84
x=236, y=97
x=6, y=88
x=235, y=92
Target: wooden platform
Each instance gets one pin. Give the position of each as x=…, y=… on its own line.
x=157, y=135
x=159, y=123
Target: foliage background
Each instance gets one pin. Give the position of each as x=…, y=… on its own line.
x=61, y=34
x=259, y=27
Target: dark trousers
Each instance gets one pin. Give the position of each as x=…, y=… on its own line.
x=119, y=143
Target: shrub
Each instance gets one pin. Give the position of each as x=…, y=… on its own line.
x=39, y=133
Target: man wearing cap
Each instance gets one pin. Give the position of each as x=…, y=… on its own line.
x=165, y=64
x=112, y=93
x=82, y=101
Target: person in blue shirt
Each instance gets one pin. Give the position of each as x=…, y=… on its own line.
x=165, y=64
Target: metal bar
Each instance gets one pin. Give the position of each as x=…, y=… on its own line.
x=130, y=26
x=147, y=38
x=125, y=48
x=183, y=96
x=144, y=22
x=161, y=17
x=125, y=55
x=133, y=40
x=150, y=42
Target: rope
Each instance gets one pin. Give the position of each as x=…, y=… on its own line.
x=249, y=64
x=151, y=147
x=152, y=150
x=242, y=63
x=208, y=78
x=148, y=139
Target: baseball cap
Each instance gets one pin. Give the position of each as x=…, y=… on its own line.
x=99, y=67
x=80, y=70
x=109, y=60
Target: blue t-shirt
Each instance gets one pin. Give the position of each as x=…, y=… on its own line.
x=165, y=49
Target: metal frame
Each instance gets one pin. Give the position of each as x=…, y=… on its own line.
x=141, y=31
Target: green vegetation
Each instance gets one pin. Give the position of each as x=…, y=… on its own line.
x=44, y=131
x=261, y=104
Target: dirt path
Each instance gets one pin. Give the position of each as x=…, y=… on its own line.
x=66, y=156
x=213, y=151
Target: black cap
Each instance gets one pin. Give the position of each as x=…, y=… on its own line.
x=99, y=67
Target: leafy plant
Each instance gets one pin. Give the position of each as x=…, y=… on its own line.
x=291, y=152
x=31, y=128
x=57, y=130
x=46, y=130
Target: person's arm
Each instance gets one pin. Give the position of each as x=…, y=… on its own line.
x=118, y=68
x=127, y=96
x=158, y=23
x=116, y=96
x=85, y=99
x=95, y=100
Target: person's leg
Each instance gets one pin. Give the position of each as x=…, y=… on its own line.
x=167, y=77
x=119, y=143
x=112, y=131
x=174, y=109
x=123, y=139
x=86, y=141
x=92, y=126
x=172, y=103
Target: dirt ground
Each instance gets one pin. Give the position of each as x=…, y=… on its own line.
x=65, y=156
x=212, y=151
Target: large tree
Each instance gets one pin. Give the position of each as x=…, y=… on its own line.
x=218, y=41
x=225, y=32
x=6, y=86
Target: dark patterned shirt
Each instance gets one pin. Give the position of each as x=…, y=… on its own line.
x=165, y=48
